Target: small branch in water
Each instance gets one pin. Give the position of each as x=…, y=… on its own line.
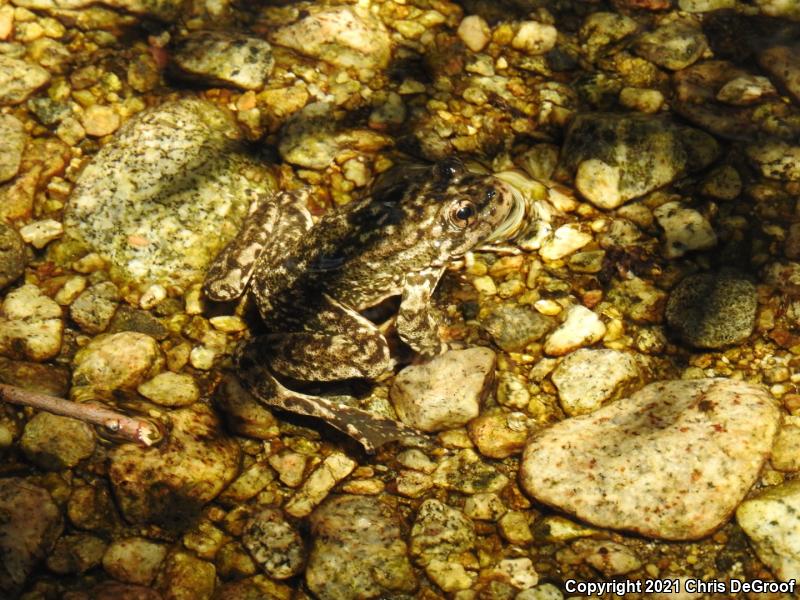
x=115, y=423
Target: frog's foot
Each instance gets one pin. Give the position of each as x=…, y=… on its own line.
x=369, y=430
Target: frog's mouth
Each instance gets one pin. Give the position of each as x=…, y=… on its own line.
x=527, y=212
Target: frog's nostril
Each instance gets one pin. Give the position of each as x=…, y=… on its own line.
x=490, y=194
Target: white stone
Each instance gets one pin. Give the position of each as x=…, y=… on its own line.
x=134, y=560
x=546, y=591
x=202, y=357
x=582, y=327
x=535, y=38
x=333, y=469
x=587, y=378
x=776, y=160
x=771, y=520
x=41, y=233
x=474, y=32
x=599, y=183
x=485, y=506
x=152, y=296
x=610, y=558
x=564, y=241
x=446, y=392
x=672, y=461
x=519, y=571
x=30, y=325
x=685, y=229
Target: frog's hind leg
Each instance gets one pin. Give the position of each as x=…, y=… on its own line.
x=342, y=345
x=369, y=430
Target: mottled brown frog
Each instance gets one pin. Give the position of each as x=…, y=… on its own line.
x=312, y=282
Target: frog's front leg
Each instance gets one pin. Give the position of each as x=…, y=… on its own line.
x=232, y=269
x=342, y=345
x=416, y=323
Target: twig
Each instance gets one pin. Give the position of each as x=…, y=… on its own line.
x=129, y=428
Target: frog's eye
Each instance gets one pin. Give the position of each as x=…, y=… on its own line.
x=463, y=214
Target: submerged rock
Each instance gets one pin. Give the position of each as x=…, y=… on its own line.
x=12, y=132
x=168, y=485
x=628, y=461
x=13, y=256
x=217, y=57
x=445, y=392
x=30, y=525
x=616, y=158
x=771, y=520
x=164, y=10
x=357, y=551
x=344, y=36
x=165, y=195
x=19, y=79
x=713, y=310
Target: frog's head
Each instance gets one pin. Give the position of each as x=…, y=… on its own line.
x=469, y=207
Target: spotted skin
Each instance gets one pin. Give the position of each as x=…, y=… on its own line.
x=310, y=283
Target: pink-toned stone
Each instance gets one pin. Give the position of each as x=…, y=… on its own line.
x=672, y=461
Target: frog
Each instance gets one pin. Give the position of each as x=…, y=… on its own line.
x=313, y=284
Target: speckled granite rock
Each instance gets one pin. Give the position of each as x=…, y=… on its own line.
x=76, y=553
x=713, y=310
x=343, y=35
x=30, y=525
x=169, y=484
x=619, y=157
x=771, y=520
x=357, y=551
x=164, y=196
x=587, y=378
x=14, y=138
x=19, y=79
x=628, y=461
x=465, y=472
x=439, y=536
x=217, y=57
x=274, y=544
x=445, y=392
